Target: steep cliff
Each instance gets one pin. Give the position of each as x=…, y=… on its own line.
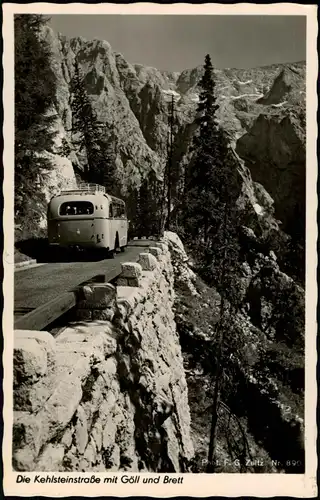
x=274, y=149
x=109, y=393
x=135, y=158
x=260, y=416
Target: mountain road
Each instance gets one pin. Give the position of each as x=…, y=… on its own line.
x=35, y=286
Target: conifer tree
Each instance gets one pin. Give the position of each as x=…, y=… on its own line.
x=95, y=140
x=35, y=89
x=210, y=178
x=210, y=219
x=105, y=171
x=149, y=205
x=84, y=122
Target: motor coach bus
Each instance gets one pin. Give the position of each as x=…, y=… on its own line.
x=87, y=217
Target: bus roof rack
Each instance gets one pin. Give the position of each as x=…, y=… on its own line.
x=85, y=188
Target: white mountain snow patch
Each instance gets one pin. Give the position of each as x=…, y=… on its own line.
x=244, y=83
x=234, y=97
x=258, y=208
x=245, y=95
x=194, y=97
x=173, y=93
x=279, y=105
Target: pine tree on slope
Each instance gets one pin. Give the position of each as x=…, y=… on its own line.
x=98, y=143
x=212, y=190
x=212, y=175
x=35, y=88
x=105, y=171
x=84, y=122
x=149, y=206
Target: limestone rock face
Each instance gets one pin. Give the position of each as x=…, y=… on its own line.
x=243, y=94
x=274, y=150
x=60, y=176
x=184, y=276
x=107, y=87
x=288, y=85
x=263, y=360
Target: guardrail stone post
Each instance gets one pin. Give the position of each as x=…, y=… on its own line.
x=130, y=274
x=155, y=251
x=163, y=247
x=96, y=301
x=147, y=261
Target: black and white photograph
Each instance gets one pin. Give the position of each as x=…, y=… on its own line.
x=161, y=236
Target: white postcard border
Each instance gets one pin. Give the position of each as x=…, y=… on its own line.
x=197, y=485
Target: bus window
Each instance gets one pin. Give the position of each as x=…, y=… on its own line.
x=76, y=208
x=121, y=211
x=117, y=210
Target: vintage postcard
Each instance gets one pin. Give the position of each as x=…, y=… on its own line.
x=160, y=176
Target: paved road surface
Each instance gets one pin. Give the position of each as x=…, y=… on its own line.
x=35, y=286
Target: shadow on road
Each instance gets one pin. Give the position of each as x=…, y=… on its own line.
x=98, y=278
x=35, y=248
x=40, y=250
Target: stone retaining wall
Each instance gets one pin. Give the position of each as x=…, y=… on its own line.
x=108, y=394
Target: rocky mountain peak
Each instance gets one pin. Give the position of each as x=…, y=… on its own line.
x=288, y=85
x=132, y=100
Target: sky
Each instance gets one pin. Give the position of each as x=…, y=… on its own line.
x=177, y=42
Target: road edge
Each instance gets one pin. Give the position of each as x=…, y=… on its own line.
x=25, y=263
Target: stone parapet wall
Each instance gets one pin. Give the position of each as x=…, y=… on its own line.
x=109, y=393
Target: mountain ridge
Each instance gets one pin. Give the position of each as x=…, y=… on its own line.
x=132, y=102
x=61, y=36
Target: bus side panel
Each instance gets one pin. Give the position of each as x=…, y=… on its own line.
x=119, y=226
x=123, y=232
x=106, y=228
x=102, y=237
x=105, y=233
x=112, y=233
